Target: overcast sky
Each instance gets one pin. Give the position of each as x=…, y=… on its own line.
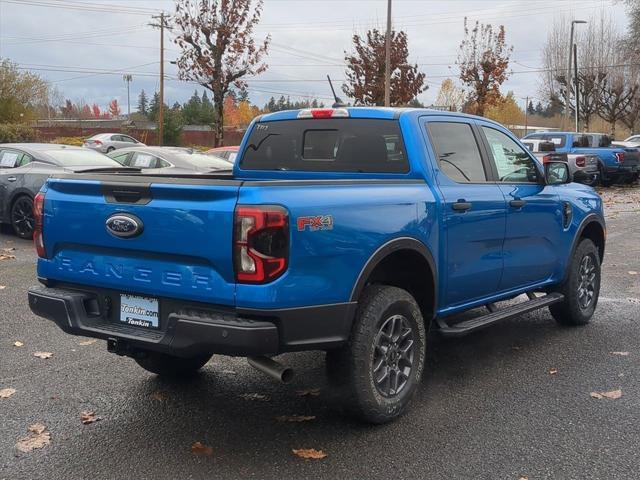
x=309, y=37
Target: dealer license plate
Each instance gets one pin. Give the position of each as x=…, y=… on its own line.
x=139, y=311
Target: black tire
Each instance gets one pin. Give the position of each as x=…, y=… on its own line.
x=385, y=315
x=605, y=180
x=581, y=287
x=171, y=366
x=22, y=219
x=110, y=149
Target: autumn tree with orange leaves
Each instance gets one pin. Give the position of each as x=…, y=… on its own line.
x=114, y=108
x=218, y=48
x=483, y=60
x=366, y=67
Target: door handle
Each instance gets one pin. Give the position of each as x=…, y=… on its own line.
x=11, y=179
x=517, y=203
x=462, y=206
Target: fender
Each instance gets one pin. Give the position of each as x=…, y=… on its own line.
x=401, y=243
x=591, y=218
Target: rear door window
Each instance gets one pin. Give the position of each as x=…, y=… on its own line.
x=458, y=152
x=9, y=159
x=327, y=145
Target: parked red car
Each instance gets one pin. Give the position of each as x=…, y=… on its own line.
x=228, y=153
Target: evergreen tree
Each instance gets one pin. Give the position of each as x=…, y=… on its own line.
x=271, y=105
x=282, y=104
x=208, y=111
x=243, y=95
x=530, y=108
x=192, y=110
x=143, y=103
x=539, y=110
x=154, y=106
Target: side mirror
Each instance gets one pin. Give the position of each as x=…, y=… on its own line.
x=557, y=173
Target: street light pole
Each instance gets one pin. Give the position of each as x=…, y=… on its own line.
x=387, y=59
x=127, y=78
x=567, y=93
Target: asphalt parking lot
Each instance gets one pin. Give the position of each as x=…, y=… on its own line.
x=510, y=402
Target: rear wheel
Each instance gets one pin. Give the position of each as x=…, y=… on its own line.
x=605, y=180
x=380, y=368
x=171, y=366
x=22, y=219
x=110, y=149
x=581, y=287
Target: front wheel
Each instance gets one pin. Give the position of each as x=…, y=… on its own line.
x=581, y=288
x=171, y=366
x=381, y=366
x=22, y=219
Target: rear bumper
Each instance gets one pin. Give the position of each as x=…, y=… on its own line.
x=588, y=177
x=188, y=329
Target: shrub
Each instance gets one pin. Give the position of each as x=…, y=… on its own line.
x=16, y=133
x=76, y=141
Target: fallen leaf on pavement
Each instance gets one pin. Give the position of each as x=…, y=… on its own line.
x=87, y=342
x=201, y=449
x=9, y=249
x=7, y=392
x=309, y=453
x=88, y=417
x=4, y=256
x=159, y=396
x=622, y=354
x=613, y=394
x=295, y=418
x=553, y=371
x=18, y=344
x=44, y=355
x=38, y=437
x=523, y=478
x=256, y=396
x=2, y=287
x=632, y=272
x=311, y=392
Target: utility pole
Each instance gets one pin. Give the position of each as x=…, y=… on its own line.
x=387, y=59
x=567, y=92
x=127, y=78
x=575, y=80
x=526, y=115
x=162, y=25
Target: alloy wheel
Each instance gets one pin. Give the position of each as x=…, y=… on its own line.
x=393, y=357
x=22, y=217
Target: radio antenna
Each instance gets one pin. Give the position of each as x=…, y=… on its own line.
x=337, y=101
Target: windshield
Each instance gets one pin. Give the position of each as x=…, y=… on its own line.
x=72, y=158
x=202, y=160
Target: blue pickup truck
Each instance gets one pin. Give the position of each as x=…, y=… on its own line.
x=617, y=164
x=349, y=230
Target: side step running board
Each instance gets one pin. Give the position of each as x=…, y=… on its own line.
x=496, y=316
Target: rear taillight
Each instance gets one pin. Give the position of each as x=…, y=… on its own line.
x=38, y=214
x=97, y=142
x=620, y=157
x=323, y=113
x=581, y=161
x=261, y=243
x=546, y=159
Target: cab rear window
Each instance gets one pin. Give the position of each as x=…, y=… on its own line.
x=326, y=145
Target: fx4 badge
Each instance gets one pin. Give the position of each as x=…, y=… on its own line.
x=319, y=222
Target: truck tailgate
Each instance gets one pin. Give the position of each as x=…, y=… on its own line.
x=184, y=250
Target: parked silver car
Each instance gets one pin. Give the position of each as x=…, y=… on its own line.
x=170, y=160
x=108, y=142
x=632, y=142
x=583, y=168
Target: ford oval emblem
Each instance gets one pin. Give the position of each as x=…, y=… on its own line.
x=124, y=225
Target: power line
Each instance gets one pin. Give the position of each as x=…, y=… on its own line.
x=102, y=8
